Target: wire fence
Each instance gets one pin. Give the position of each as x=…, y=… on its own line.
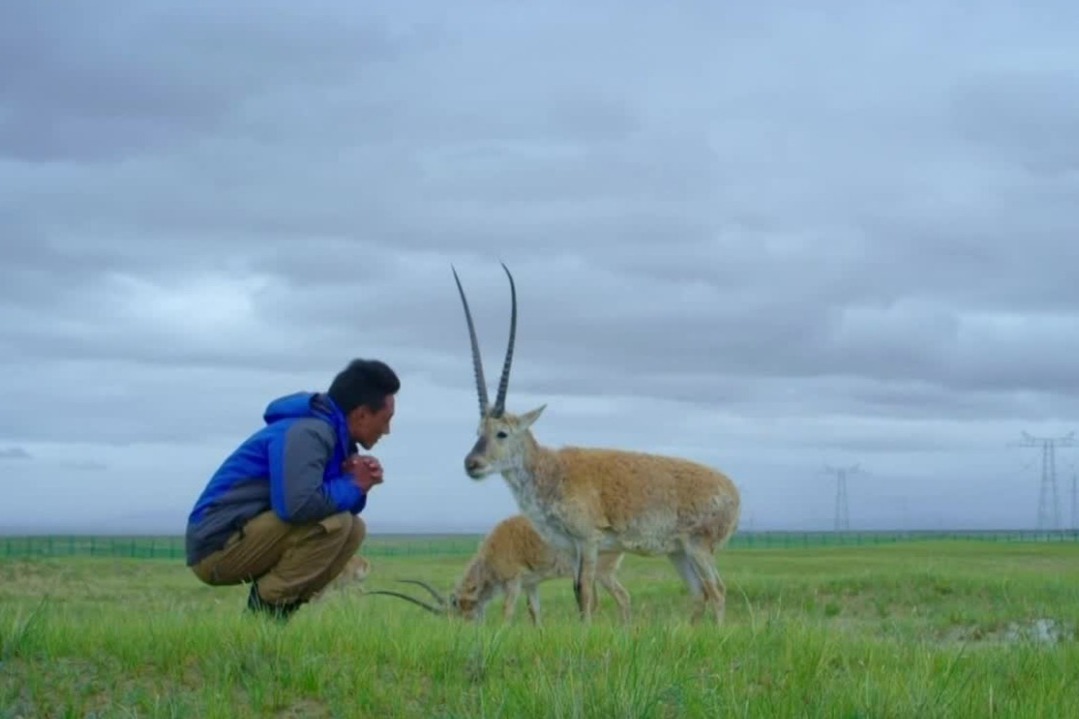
x=172, y=547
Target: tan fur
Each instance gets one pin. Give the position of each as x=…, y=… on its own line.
x=354, y=574
x=589, y=500
x=512, y=557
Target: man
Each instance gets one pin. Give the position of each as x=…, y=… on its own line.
x=282, y=510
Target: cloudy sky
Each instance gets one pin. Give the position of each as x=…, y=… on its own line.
x=767, y=236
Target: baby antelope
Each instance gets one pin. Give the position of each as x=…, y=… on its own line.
x=354, y=574
x=511, y=558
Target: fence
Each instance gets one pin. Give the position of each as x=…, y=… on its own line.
x=172, y=547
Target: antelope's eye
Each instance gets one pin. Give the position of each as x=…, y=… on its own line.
x=502, y=434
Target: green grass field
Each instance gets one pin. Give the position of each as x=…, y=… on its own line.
x=906, y=629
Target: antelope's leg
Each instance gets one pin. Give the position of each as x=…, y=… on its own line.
x=684, y=564
x=509, y=601
x=616, y=590
x=585, y=581
x=577, y=577
x=532, y=597
x=715, y=593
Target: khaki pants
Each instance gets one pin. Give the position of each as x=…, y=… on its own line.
x=290, y=561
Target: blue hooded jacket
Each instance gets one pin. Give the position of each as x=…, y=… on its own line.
x=292, y=466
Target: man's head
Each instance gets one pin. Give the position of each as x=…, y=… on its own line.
x=364, y=391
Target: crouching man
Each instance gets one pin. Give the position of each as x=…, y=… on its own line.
x=282, y=511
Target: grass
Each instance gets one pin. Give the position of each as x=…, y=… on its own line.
x=920, y=629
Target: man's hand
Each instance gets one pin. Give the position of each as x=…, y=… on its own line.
x=366, y=471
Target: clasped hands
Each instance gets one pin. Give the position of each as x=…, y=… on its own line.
x=366, y=471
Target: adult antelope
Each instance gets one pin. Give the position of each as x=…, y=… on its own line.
x=586, y=500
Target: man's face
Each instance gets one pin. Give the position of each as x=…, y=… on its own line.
x=367, y=427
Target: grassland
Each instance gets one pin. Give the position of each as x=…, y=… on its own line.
x=906, y=629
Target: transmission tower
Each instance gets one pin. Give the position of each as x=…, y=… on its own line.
x=842, y=512
x=1048, y=501
x=1075, y=501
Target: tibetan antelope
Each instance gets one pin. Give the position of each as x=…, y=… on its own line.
x=355, y=572
x=587, y=500
x=512, y=557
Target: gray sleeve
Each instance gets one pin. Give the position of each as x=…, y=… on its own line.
x=297, y=490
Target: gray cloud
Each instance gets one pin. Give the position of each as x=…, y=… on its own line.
x=85, y=466
x=1026, y=117
x=801, y=237
x=100, y=87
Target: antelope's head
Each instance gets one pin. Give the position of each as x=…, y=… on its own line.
x=473, y=592
x=357, y=569
x=501, y=437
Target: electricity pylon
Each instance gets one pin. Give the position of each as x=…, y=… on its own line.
x=842, y=511
x=1048, y=501
x=1075, y=500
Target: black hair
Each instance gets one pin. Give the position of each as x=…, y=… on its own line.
x=364, y=382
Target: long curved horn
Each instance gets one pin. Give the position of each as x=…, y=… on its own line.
x=504, y=380
x=434, y=592
x=477, y=362
x=389, y=592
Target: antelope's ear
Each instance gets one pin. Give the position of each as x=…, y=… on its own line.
x=528, y=418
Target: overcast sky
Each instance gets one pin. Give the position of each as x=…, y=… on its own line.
x=762, y=235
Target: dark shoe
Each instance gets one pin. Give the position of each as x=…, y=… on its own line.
x=258, y=605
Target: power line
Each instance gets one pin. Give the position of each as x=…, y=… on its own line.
x=842, y=511
x=1048, y=500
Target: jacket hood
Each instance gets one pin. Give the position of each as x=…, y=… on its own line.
x=303, y=404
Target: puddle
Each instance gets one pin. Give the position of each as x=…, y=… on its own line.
x=1040, y=631
x=1037, y=631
